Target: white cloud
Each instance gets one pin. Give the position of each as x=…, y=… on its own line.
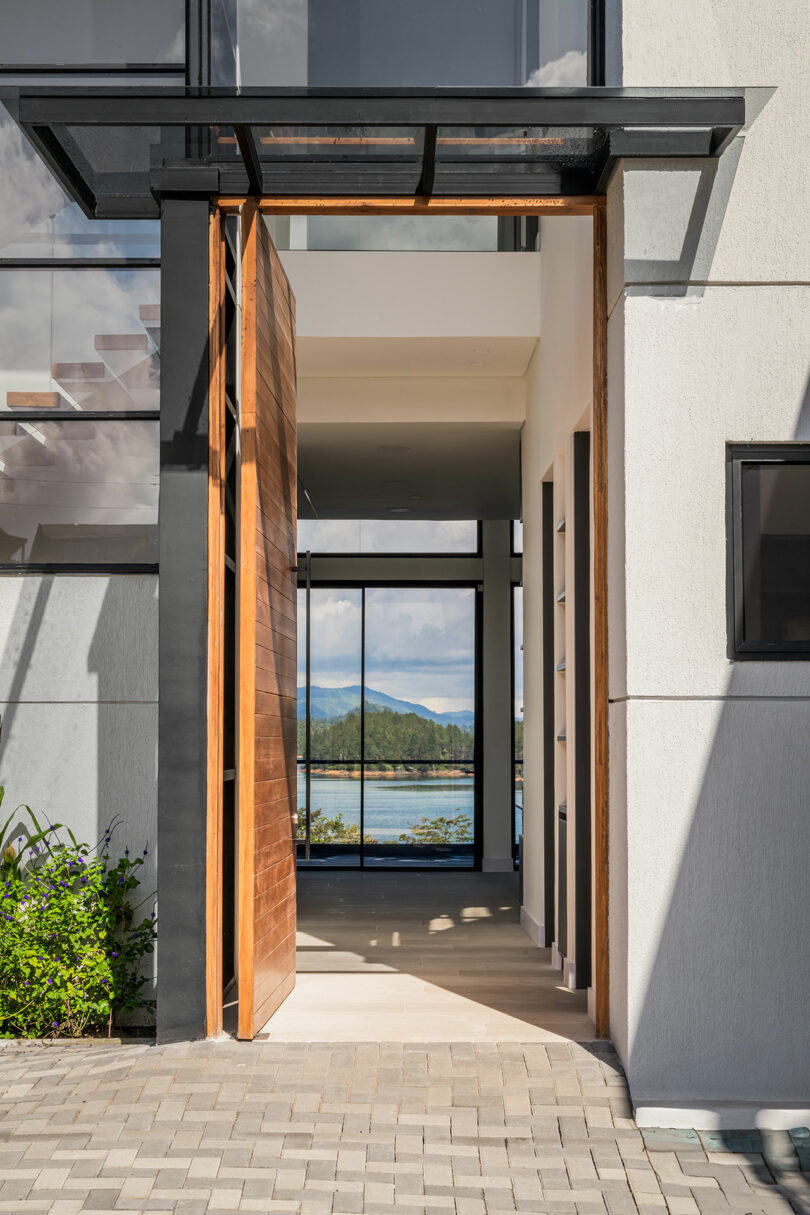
x=29, y=195
x=569, y=70
x=419, y=642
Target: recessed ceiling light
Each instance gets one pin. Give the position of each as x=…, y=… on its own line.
x=393, y=447
x=399, y=510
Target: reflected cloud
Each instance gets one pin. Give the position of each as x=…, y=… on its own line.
x=567, y=71
x=29, y=195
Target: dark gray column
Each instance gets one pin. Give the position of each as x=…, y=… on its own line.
x=182, y=739
x=497, y=707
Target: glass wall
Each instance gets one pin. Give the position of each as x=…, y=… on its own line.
x=421, y=43
x=387, y=753
x=79, y=341
x=383, y=536
x=106, y=33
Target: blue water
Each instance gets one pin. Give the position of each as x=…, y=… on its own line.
x=392, y=806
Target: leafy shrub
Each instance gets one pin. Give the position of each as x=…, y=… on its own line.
x=71, y=952
x=457, y=829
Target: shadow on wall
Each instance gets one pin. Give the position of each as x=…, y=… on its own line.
x=724, y=1013
x=79, y=679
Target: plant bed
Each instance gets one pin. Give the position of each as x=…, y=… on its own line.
x=71, y=951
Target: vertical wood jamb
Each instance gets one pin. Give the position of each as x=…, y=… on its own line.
x=600, y=625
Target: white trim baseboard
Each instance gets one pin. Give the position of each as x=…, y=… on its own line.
x=722, y=1115
x=534, y=931
x=556, y=957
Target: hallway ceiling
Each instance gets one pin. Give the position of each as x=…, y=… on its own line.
x=424, y=471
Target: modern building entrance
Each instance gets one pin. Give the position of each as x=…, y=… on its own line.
x=381, y=757
x=213, y=165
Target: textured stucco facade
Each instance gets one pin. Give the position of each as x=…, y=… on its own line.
x=709, y=320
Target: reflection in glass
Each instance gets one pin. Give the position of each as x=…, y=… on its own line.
x=335, y=815
x=85, y=32
x=387, y=536
x=38, y=220
x=79, y=340
x=385, y=43
x=776, y=553
x=75, y=491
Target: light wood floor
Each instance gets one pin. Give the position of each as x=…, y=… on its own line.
x=421, y=957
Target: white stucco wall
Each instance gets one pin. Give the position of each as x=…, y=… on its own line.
x=709, y=321
x=559, y=391
x=78, y=698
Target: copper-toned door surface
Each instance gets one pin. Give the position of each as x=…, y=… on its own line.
x=266, y=594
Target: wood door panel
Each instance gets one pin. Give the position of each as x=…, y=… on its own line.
x=266, y=770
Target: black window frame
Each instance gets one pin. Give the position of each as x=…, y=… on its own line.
x=738, y=454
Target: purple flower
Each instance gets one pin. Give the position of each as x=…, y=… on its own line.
x=126, y=852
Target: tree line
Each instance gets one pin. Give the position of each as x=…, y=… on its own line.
x=389, y=736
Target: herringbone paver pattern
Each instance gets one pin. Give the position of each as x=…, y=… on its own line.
x=326, y=1129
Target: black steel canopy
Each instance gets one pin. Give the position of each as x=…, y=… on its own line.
x=116, y=150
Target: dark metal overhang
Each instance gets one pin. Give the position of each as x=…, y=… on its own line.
x=116, y=150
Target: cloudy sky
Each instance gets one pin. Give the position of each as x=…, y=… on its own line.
x=420, y=643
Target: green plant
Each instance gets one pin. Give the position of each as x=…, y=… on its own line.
x=455, y=830
x=71, y=951
x=329, y=830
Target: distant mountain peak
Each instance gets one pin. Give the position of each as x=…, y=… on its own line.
x=338, y=702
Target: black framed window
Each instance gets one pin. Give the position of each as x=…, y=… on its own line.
x=89, y=34
x=78, y=492
x=768, y=494
x=372, y=43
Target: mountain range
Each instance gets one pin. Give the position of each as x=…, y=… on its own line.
x=337, y=702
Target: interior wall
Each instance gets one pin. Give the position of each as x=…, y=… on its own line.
x=559, y=392
x=709, y=311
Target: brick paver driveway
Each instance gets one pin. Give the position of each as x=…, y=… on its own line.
x=323, y=1128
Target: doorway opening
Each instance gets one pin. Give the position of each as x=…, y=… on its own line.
x=400, y=745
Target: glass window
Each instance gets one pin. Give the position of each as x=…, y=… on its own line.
x=75, y=491
x=79, y=340
x=771, y=552
x=37, y=219
x=387, y=536
x=424, y=43
x=517, y=536
x=425, y=233
x=98, y=32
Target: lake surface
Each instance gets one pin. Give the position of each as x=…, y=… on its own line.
x=392, y=806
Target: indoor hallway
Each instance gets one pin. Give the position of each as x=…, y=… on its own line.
x=431, y=956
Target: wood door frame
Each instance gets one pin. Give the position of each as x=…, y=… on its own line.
x=593, y=205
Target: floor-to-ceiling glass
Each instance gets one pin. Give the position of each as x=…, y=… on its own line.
x=330, y=679
x=386, y=710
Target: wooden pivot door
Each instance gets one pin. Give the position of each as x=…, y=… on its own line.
x=266, y=634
